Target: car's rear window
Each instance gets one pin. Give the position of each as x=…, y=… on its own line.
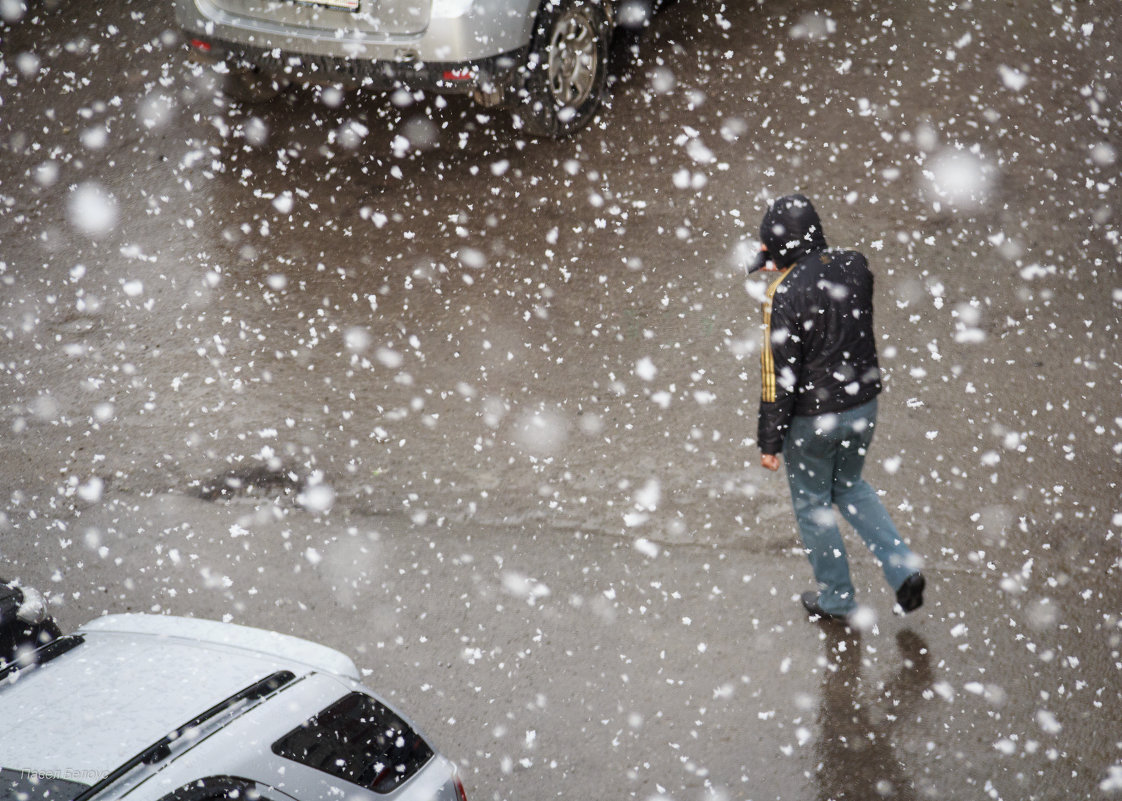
x=359, y=740
x=22, y=785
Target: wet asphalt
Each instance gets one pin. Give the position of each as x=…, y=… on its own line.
x=479, y=410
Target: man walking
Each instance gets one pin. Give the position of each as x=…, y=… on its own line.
x=819, y=403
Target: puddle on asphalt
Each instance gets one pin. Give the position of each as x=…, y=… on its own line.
x=260, y=481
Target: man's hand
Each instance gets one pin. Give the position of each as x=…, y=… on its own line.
x=762, y=264
x=769, y=461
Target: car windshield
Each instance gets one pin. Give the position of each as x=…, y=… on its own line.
x=19, y=785
x=122, y=693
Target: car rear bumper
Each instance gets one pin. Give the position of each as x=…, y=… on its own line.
x=334, y=46
x=446, y=77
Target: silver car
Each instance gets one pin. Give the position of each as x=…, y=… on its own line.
x=153, y=708
x=546, y=60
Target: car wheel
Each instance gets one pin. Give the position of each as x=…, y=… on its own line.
x=567, y=67
x=251, y=86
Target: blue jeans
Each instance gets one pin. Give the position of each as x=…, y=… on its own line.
x=824, y=456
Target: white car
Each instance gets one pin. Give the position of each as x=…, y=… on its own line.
x=546, y=60
x=156, y=708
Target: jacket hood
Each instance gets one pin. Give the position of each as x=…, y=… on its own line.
x=791, y=229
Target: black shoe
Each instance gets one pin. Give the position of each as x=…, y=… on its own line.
x=816, y=612
x=910, y=594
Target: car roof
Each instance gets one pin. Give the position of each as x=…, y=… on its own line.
x=132, y=680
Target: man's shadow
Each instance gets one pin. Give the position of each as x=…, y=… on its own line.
x=856, y=754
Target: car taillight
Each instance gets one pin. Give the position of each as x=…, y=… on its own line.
x=459, y=74
x=460, y=789
x=199, y=44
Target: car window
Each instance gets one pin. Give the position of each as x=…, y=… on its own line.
x=22, y=785
x=359, y=740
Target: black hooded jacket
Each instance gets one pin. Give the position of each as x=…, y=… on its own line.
x=819, y=351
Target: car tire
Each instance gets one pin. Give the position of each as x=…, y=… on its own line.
x=567, y=68
x=251, y=86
